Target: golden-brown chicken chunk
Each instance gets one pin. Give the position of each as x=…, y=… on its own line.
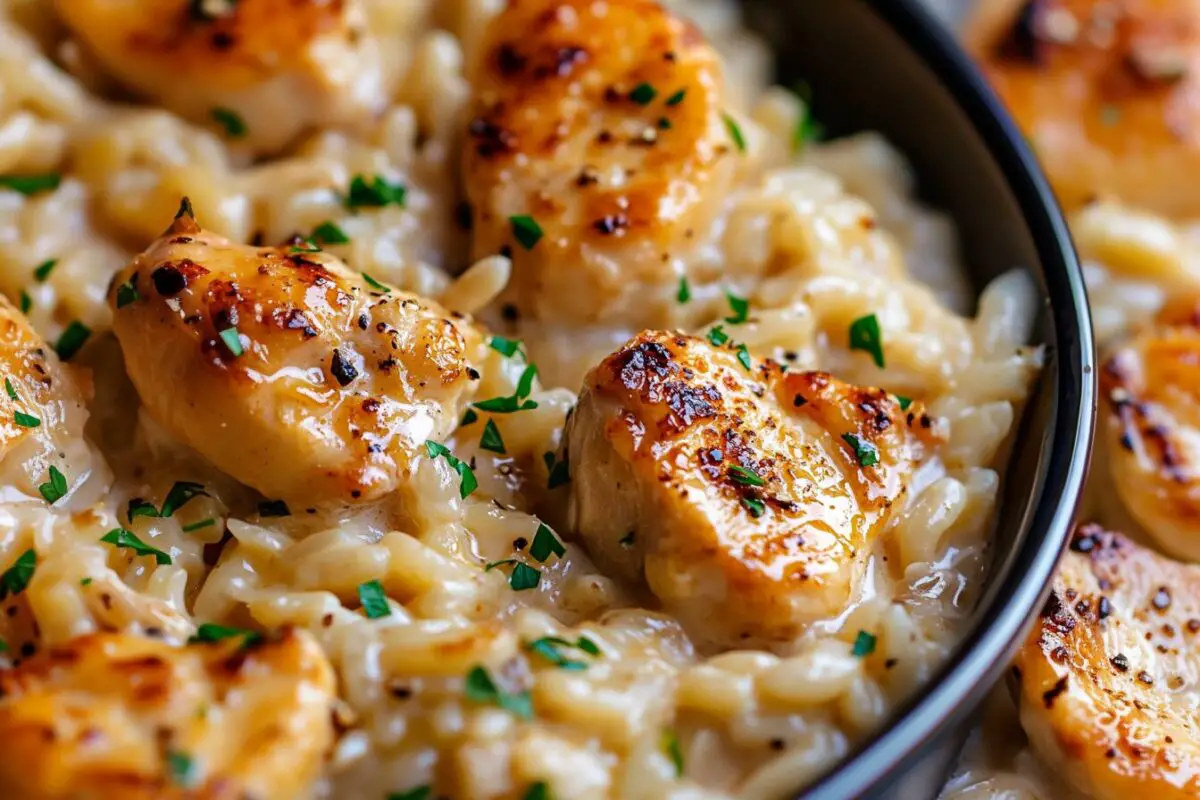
x=1151, y=390
x=746, y=498
x=118, y=716
x=263, y=69
x=286, y=369
x=1109, y=677
x=1107, y=92
x=42, y=412
x=601, y=124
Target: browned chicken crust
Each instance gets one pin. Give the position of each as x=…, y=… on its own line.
x=746, y=498
x=1108, y=678
x=119, y=716
x=285, y=368
x=603, y=123
x=1108, y=92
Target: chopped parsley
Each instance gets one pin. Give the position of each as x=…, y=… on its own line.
x=550, y=648
x=480, y=688
x=54, y=489
x=864, y=644
x=181, y=767
x=866, y=453
x=181, y=492
x=538, y=791
x=505, y=347
x=866, y=336
x=232, y=340
x=10, y=390
x=739, y=306
x=128, y=540
x=516, y=401
x=545, y=544
x=676, y=98
x=904, y=402
x=274, y=508
x=664, y=124
x=807, y=130
x=524, y=577
x=735, y=133
x=755, y=506
x=209, y=632
x=746, y=476
x=670, y=746
x=329, y=232
x=717, y=336
x=526, y=230
x=491, y=439
x=72, y=339
x=684, y=294
x=195, y=526
x=4, y=648
x=140, y=508
x=26, y=420
x=128, y=292
x=467, y=481
x=560, y=473
x=85, y=582
x=17, y=577
x=376, y=285
x=378, y=193
x=302, y=245
x=374, y=600
x=30, y=184
x=643, y=94
x=415, y=793
x=233, y=125
x=43, y=270
x=743, y=357
x=26, y=302
x=469, y=418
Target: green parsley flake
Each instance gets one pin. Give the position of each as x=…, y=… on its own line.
x=72, y=339
x=526, y=230
x=904, y=402
x=329, y=232
x=740, y=307
x=376, y=285
x=559, y=471
x=505, y=347
x=676, y=98
x=3, y=646
x=181, y=767
x=717, y=336
x=30, y=184
x=232, y=340
x=374, y=600
x=17, y=577
x=538, y=791
x=755, y=506
x=181, y=492
x=195, y=526
x=685, y=293
x=670, y=746
x=865, y=335
x=378, y=193
x=866, y=453
x=86, y=582
x=735, y=133
x=643, y=94
x=745, y=476
x=26, y=302
x=550, y=649
x=524, y=577
x=302, y=245
x=480, y=688
x=415, y=793
x=516, y=401
x=26, y=420
x=467, y=481
x=140, y=508
x=743, y=357
x=54, y=489
x=545, y=544
x=274, y=508
x=864, y=644
x=491, y=439
x=209, y=632
x=664, y=124
x=469, y=418
x=126, y=539
x=12, y=392
x=128, y=292
x=229, y=120
x=43, y=270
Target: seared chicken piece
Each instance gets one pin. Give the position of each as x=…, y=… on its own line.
x=42, y=411
x=602, y=123
x=1151, y=389
x=278, y=66
x=1107, y=92
x=746, y=498
x=285, y=368
x=1109, y=677
x=118, y=716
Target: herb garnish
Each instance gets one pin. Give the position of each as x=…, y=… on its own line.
x=743, y=357
x=522, y=576
x=43, y=270
x=209, y=632
x=126, y=539
x=30, y=184
x=378, y=193
x=548, y=647
x=181, y=492
x=54, y=489
x=717, y=336
x=740, y=306
x=329, y=232
x=128, y=292
x=904, y=402
x=545, y=544
x=684, y=294
x=755, y=506
x=415, y=793
x=643, y=94
x=559, y=471
x=195, y=526
x=26, y=420
x=17, y=577
x=526, y=230
x=469, y=418
x=866, y=453
x=374, y=600
x=745, y=476
x=467, y=482
x=234, y=125
x=864, y=644
x=72, y=340
x=538, y=791
x=505, y=347
x=670, y=745
x=376, y=285
x=516, y=401
x=480, y=688
x=26, y=302
x=181, y=767
x=10, y=390
x=85, y=582
x=735, y=132
x=676, y=98
x=491, y=439
x=865, y=335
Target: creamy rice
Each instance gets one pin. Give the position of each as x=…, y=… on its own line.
x=814, y=241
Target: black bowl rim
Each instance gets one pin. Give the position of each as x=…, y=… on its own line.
x=988, y=649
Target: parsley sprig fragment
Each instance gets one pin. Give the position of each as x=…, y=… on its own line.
x=329, y=232
x=559, y=469
x=72, y=339
x=17, y=577
x=480, y=688
x=735, y=132
x=740, y=306
x=865, y=335
x=670, y=746
x=550, y=648
x=491, y=439
x=128, y=540
x=54, y=489
x=374, y=600
x=211, y=632
x=467, y=480
x=517, y=401
x=522, y=576
x=29, y=185
x=181, y=492
x=546, y=544
x=865, y=452
x=415, y=793
x=745, y=476
x=21, y=418
x=526, y=230
x=376, y=193
x=231, y=122
x=864, y=644
x=506, y=347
